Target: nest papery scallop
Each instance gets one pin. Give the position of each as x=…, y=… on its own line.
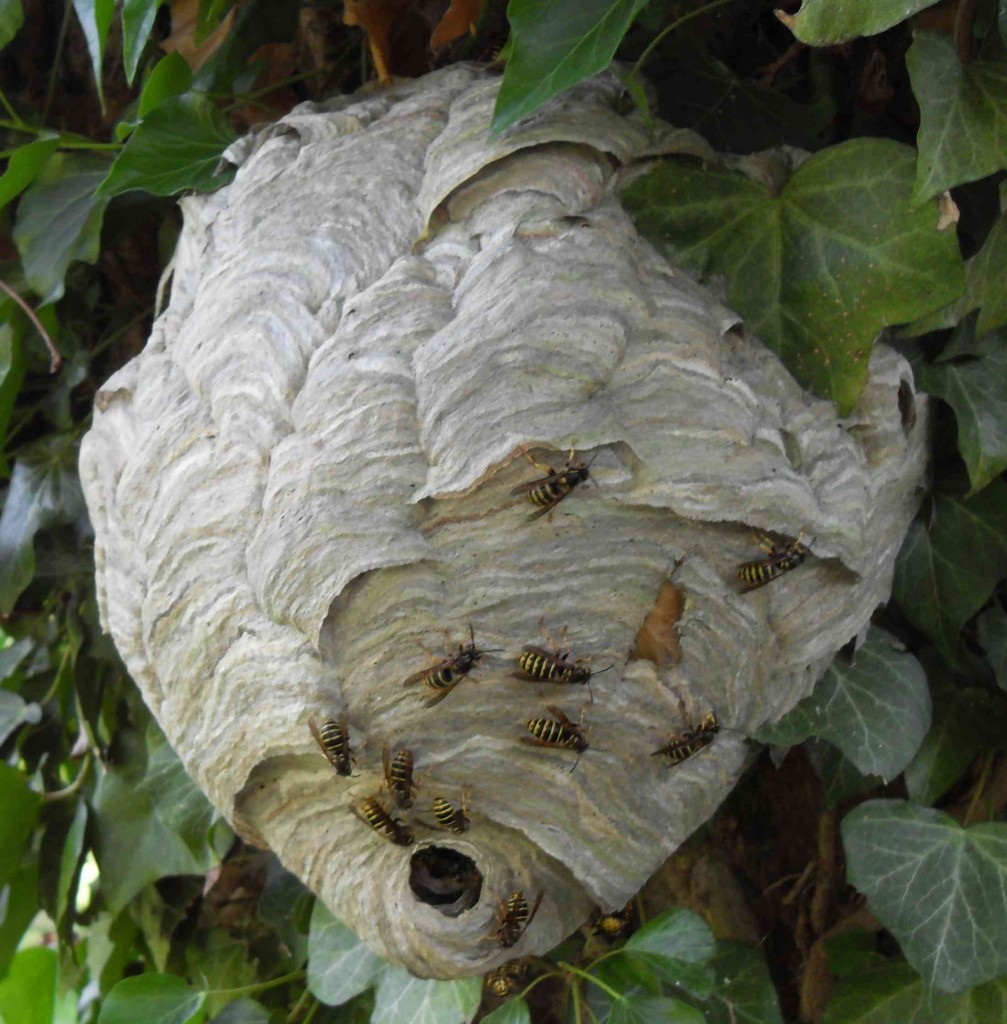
x=307, y=474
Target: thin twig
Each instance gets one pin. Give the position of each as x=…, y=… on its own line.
x=62, y=794
x=677, y=23
x=55, y=359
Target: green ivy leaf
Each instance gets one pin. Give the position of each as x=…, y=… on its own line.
x=817, y=267
x=178, y=801
x=153, y=998
x=340, y=966
x=28, y=993
x=403, y=999
x=20, y=807
x=676, y=945
x=12, y=371
x=514, y=1011
x=221, y=962
x=177, y=146
x=95, y=19
x=19, y=898
x=875, y=710
x=963, y=115
x=993, y=636
x=826, y=22
x=554, y=46
x=242, y=1011
x=70, y=861
x=984, y=277
x=137, y=21
x=59, y=220
x=840, y=778
x=743, y=992
x=14, y=712
x=944, y=574
x=653, y=1010
x=24, y=164
x=11, y=20
x=171, y=77
x=895, y=992
x=132, y=846
x=940, y=889
x=44, y=490
x=852, y=952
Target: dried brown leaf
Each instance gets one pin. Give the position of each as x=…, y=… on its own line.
x=461, y=17
x=184, y=18
x=657, y=640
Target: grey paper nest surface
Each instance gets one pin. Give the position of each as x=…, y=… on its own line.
x=307, y=473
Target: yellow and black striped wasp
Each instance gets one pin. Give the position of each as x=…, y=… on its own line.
x=399, y=777
x=780, y=558
x=678, y=748
x=513, y=918
x=334, y=738
x=443, y=677
x=373, y=813
x=506, y=979
x=451, y=818
x=559, y=732
x=542, y=666
x=616, y=924
x=548, y=491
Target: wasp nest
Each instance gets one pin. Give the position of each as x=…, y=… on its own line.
x=318, y=464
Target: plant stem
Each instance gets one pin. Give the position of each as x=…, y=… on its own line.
x=10, y=109
x=55, y=359
x=677, y=23
x=57, y=57
x=260, y=986
x=296, y=1008
x=608, y=990
x=978, y=791
x=63, y=794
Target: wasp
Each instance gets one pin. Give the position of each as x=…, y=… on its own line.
x=558, y=732
x=373, y=813
x=616, y=924
x=399, y=777
x=678, y=748
x=507, y=978
x=334, y=739
x=443, y=677
x=779, y=559
x=513, y=918
x=449, y=817
x=556, y=666
x=548, y=491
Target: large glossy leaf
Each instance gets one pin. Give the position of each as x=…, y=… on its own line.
x=825, y=22
x=20, y=808
x=963, y=115
x=11, y=20
x=514, y=1011
x=95, y=19
x=15, y=712
x=841, y=781
x=19, y=898
x=137, y=21
x=984, y=277
x=653, y=1010
x=676, y=946
x=59, y=220
x=170, y=77
x=132, y=846
x=818, y=266
x=950, y=562
x=28, y=993
x=403, y=999
x=894, y=992
x=24, y=163
x=743, y=992
x=44, y=491
x=876, y=710
x=340, y=966
x=555, y=45
x=70, y=860
x=993, y=636
x=940, y=889
x=974, y=384
x=153, y=999
x=177, y=146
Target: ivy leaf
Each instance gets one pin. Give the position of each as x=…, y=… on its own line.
x=132, y=846
x=743, y=992
x=19, y=899
x=137, y=21
x=555, y=46
x=28, y=993
x=14, y=712
x=160, y=998
x=20, y=807
x=653, y=1010
x=993, y=636
x=514, y=1011
x=44, y=490
x=825, y=22
x=875, y=710
x=242, y=1011
x=11, y=20
x=944, y=574
x=95, y=19
x=340, y=966
x=24, y=164
x=984, y=277
x=841, y=781
x=70, y=860
x=963, y=115
x=818, y=266
x=676, y=945
x=59, y=220
x=177, y=146
x=940, y=889
x=403, y=999
x=975, y=386
x=895, y=992
x=171, y=77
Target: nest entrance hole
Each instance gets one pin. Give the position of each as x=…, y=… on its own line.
x=445, y=879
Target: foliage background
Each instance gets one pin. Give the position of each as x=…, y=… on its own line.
x=858, y=878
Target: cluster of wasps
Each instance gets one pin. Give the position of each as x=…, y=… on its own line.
x=551, y=664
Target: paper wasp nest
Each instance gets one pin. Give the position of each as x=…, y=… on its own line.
x=307, y=474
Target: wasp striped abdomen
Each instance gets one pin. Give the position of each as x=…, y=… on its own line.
x=374, y=814
x=449, y=817
x=548, y=491
x=334, y=739
x=545, y=667
x=779, y=559
x=513, y=918
x=507, y=978
x=443, y=677
x=679, y=748
x=399, y=777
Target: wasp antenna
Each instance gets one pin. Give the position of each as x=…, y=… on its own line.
x=607, y=668
x=590, y=691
